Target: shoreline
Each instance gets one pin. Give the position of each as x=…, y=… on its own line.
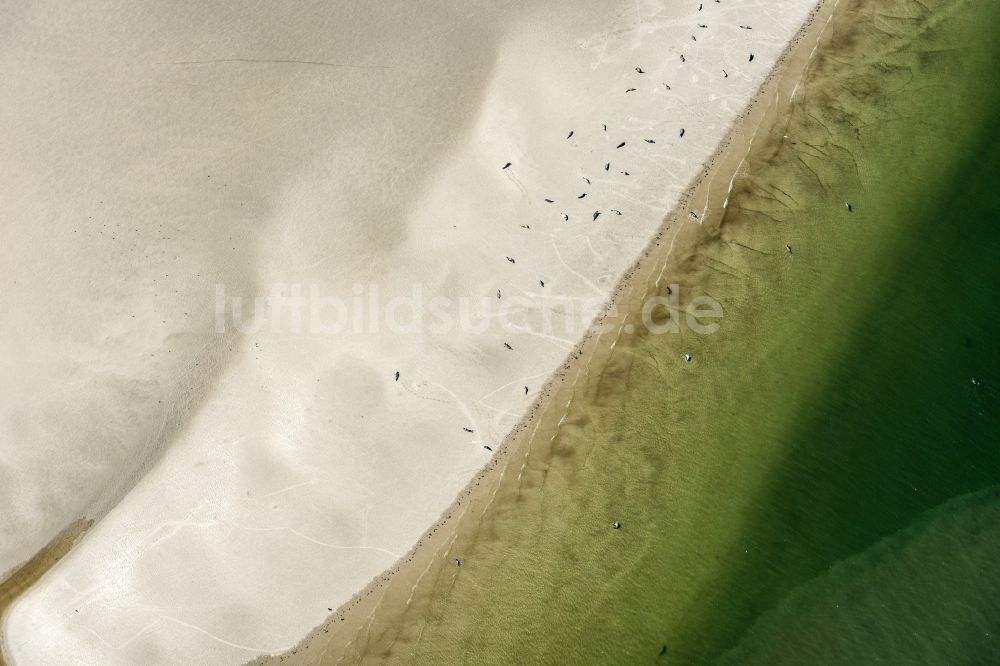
x=647, y=442
x=305, y=469
x=396, y=588
x=23, y=576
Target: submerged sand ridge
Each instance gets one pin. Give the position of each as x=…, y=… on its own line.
x=247, y=481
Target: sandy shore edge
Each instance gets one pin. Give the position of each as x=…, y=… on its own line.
x=706, y=194
x=27, y=574
x=355, y=624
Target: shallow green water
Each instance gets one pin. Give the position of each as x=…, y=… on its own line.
x=821, y=483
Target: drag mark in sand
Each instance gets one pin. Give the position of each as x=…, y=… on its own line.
x=310, y=539
x=275, y=61
x=462, y=405
x=567, y=267
x=188, y=625
x=285, y=490
x=517, y=382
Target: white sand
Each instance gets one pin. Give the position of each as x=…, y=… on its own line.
x=245, y=483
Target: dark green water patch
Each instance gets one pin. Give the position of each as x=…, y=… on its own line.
x=936, y=580
x=907, y=417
